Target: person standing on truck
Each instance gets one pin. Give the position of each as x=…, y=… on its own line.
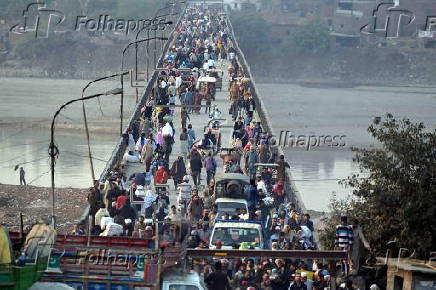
x=217, y=280
x=94, y=205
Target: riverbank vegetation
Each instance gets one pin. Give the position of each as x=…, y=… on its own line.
x=305, y=52
x=394, y=196
x=67, y=52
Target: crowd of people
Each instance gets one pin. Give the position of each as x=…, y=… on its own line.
x=131, y=205
x=266, y=274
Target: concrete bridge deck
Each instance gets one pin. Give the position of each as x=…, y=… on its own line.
x=198, y=121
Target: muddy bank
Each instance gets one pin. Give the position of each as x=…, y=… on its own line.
x=35, y=204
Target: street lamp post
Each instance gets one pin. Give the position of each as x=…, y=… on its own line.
x=54, y=151
x=148, y=35
x=91, y=163
x=123, y=73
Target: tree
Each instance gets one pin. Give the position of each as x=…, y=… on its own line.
x=337, y=208
x=312, y=38
x=252, y=32
x=395, y=199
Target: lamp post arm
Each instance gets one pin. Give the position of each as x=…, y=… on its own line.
x=53, y=150
x=122, y=74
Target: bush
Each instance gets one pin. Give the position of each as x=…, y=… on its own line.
x=312, y=38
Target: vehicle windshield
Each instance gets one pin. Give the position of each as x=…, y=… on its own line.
x=235, y=236
x=235, y=191
x=229, y=207
x=182, y=287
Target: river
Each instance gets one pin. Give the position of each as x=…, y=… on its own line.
x=28, y=105
x=337, y=112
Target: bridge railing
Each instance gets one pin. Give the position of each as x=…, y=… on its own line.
x=120, y=148
x=265, y=119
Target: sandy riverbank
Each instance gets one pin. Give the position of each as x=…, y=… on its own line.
x=35, y=204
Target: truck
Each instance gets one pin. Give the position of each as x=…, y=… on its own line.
x=91, y=262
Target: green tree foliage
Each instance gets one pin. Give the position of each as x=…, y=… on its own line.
x=396, y=199
x=337, y=208
x=312, y=38
x=63, y=51
x=252, y=32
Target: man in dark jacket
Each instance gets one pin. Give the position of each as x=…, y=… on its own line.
x=138, y=178
x=297, y=284
x=195, y=208
x=217, y=280
x=178, y=171
x=128, y=212
x=113, y=194
x=196, y=165
x=94, y=204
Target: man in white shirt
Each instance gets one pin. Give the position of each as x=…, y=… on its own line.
x=178, y=81
x=211, y=63
x=174, y=215
x=261, y=185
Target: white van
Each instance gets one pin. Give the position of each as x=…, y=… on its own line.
x=231, y=234
x=177, y=280
x=229, y=205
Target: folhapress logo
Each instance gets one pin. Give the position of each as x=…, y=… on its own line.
x=107, y=23
x=388, y=19
x=38, y=19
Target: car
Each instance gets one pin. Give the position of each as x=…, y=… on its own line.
x=232, y=235
x=229, y=206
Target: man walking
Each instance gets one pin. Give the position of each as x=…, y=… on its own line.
x=22, y=176
x=217, y=280
x=210, y=165
x=196, y=165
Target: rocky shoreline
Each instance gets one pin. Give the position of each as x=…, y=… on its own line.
x=35, y=204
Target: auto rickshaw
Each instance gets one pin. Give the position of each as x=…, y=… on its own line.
x=268, y=171
x=231, y=158
x=216, y=140
x=218, y=75
x=207, y=85
x=231, y=185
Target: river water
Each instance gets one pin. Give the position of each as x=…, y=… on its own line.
x=337, y=112
x=27, y=103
